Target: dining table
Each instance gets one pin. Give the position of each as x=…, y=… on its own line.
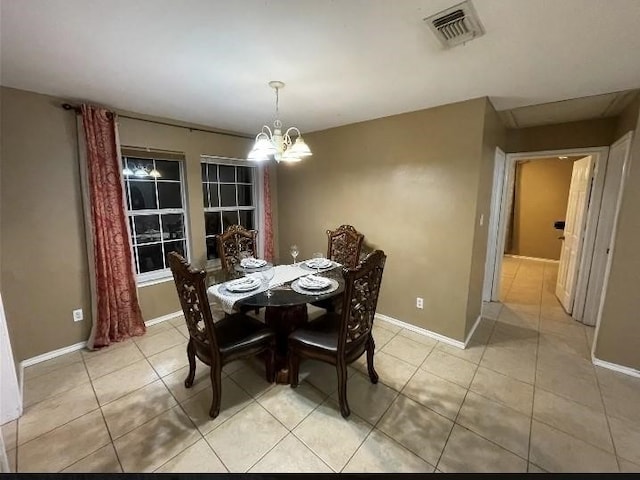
x=285, y=303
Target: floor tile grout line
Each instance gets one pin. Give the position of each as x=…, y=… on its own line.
x=535, y=377
x=606, y=416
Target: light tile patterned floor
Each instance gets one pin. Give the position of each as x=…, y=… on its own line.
x=523, y=397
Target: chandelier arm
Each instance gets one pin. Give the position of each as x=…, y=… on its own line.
x=293, y=128
x=268, y=132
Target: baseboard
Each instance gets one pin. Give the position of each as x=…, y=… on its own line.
x=422, y=331
x=616, y=368
x=52, y=354
x=163, y=318
x=535, y=259
x=473, y=330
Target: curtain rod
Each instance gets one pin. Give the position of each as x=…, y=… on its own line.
x=77, y=110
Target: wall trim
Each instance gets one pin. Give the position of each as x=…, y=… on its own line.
x=163, y=318
x=472, y=331
x=616, y=368
x=52, y=354
x=422, y=331
x=537, y=259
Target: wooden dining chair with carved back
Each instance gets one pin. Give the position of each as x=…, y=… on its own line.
x=341, y=338
x=343, y=246
x=215, y=344
x=233, y=242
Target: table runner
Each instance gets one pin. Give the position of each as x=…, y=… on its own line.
x=283, y=274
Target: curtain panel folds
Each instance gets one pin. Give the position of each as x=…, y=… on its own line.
x=116, y=311
x=268, y=223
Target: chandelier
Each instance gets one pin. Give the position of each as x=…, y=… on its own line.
x=141, y=171
x=274, y=144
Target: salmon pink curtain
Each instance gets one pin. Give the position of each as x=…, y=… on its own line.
x=116, y=310
x=268, y=225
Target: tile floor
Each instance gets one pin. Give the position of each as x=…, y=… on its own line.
x=523, y=397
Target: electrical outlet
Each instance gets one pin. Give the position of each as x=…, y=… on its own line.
x=419, y=303
x=481, y=219
x=77, y=315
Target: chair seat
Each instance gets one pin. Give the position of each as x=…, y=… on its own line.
x=321, y=334
x=239, y=332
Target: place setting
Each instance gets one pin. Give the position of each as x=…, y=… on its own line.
x=251, y=264
x=314, y=285
x=319, y=263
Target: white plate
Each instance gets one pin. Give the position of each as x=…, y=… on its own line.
x=311, y=264
x=331, y=288
x=315, y=286
x=255, y=264
x=245, y=286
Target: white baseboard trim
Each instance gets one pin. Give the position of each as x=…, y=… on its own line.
x=473, y=330
x=536, y=259
x=421, y=331
x=52, y=354
x=163, y=318
x=616, y=368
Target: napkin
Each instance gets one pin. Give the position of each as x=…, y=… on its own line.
x=252, y=262
x=313, y=282
x=244, y=283
x=318, y=263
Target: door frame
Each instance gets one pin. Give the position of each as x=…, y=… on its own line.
x=503, y=204
x=490, y=271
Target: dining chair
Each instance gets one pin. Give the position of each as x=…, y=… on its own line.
x=233, y=242
x=344, y=244
x=341, y=338
x=234, y=337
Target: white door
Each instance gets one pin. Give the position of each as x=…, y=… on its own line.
x=618, y=156
x=492, y=266
x=575, y=219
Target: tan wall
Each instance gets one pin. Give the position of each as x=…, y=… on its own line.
x=494, y=134
x=542, y=192
x=408, y=182
x=43, y=256
x=619, y=334
x=582, y=134
x=628, y=118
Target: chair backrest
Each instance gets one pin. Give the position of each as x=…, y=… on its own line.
x=361, y=289
x=232, y=242
x=344, y=244
x=192, y=292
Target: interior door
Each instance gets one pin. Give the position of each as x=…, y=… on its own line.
x=618, y=156
x=493, y=263
x=573, y=232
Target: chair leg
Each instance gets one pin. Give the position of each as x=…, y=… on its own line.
x=342, y=389
x=216, y=380
x=371, y=346
x=294, y=368
x=270, y=363
x=191, y=355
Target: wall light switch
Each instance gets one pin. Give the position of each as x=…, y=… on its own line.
x=77, y=315
x=481, y=219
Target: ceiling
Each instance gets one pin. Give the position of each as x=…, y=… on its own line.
x=209, y=61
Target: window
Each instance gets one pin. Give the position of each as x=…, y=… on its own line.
x=229, y=192
x=156, y=211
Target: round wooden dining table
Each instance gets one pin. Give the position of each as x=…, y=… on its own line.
x=285, y=311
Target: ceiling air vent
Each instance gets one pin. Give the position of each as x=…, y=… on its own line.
x=456, y=25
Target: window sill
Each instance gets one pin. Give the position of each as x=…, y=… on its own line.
x=156, y=281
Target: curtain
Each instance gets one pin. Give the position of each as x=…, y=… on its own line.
x=117, y=314
x=267, y=224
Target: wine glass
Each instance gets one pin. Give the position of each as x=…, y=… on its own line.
x=267, y=275
x=294, y=252
x=318, y=256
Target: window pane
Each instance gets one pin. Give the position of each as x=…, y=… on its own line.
x=143, y=195
x=227, y=195
x=131, y=228
x=227, y=173
x=169, y=195
x=172, y=226
x=246, y=219
x=213, y=172
x=126, y=193
x=205, y=194
x=244, y=174
x=229, y=218
x=147, y=228
x=213, y=195
x=203, y=166
x=169, y=170
x=245, y=195
x=150, y=258
x=174, y=247
x=212, y=249
x=212, y=223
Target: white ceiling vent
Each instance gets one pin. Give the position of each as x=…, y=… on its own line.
x=456, y=25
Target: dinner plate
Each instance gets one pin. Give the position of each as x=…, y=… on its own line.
x=295, y=286
x=314, y=286
x=255, y=264
x=310, y=265
x=242, y=286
